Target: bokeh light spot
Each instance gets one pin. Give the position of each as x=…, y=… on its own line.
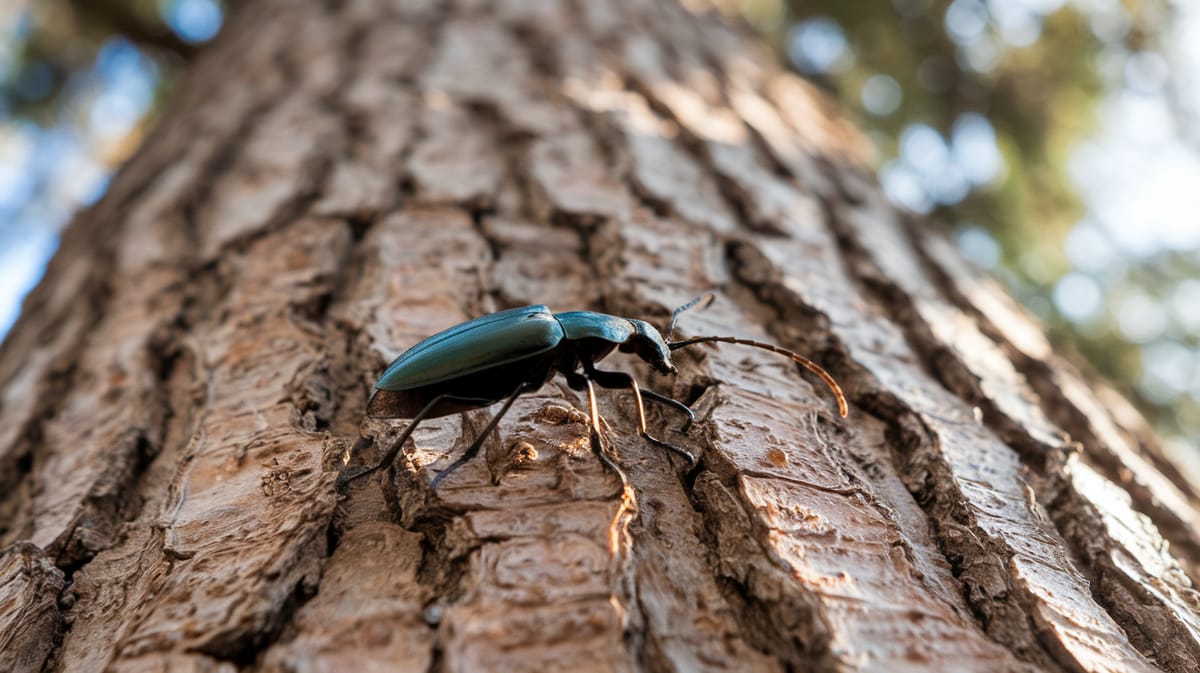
x=881, y=95
x=903, y=187
x=922, y=148
x=1078, y=297
x=1185, y=305
x=973, y=143
x=1140, y=318
x=1088, y=249
x=818, y=46
x=978, y=246
x=192, y=20
x=982, y=55
x=966, y=20
x=1020, y=23
x=1167, y=369
x=1109, y=23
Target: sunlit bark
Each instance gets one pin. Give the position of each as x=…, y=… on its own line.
x=340, y=180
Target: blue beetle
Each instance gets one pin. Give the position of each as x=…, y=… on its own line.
x=505, y=354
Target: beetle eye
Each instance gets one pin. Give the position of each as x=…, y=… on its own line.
x=651, y=351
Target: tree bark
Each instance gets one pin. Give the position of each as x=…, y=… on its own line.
x=337, y=181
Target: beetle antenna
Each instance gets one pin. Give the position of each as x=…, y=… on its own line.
x=707, y=298
x=796, y=357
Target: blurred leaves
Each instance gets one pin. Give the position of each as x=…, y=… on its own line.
x=51, y=41
x=1059, y=137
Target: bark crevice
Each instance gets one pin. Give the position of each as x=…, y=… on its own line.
x=978, y=564
x=1052, y=483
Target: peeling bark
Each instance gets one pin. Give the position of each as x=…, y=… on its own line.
x=337, y=181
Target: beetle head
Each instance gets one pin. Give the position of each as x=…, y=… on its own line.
x=647, y=343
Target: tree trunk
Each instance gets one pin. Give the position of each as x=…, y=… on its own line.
x=339, y=180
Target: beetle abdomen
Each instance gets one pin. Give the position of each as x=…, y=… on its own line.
x=472, y=391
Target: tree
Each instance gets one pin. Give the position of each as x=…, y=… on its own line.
x=340, y=180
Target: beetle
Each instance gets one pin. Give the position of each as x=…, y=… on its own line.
x=502, y=355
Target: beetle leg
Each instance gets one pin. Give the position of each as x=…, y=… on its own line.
x=623, y=380
x=474, y=447
x=575, y=380
x=674, y=403
x=597, y=446
x=348, y=476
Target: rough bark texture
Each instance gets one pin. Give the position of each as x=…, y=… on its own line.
x=340, y=180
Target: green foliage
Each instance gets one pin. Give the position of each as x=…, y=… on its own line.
x=1039, y=71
